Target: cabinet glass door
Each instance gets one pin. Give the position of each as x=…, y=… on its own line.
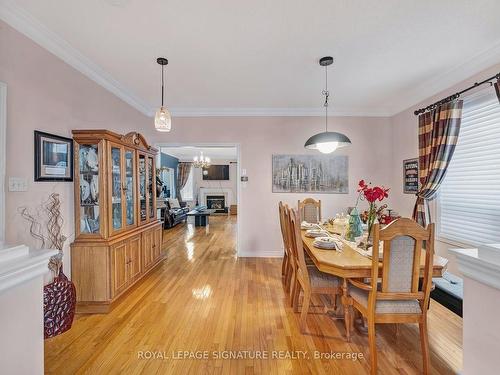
x=116, y=189
x=142, y=188
x=88, y=160
x=129, y=187
x=151, y=189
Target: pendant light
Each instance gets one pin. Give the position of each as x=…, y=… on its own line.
x=327, y=142
x=163, y=120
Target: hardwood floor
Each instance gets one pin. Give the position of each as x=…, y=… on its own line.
x=203, y=298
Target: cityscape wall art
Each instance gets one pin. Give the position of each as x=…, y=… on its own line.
x=310, y=174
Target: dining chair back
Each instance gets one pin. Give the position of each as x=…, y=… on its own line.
x=287, y=263
x=396, y=295
x=402, y=249
x=310, y=210
x=296, y=245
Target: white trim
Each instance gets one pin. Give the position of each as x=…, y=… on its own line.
x=262, y=254
x=436, y=84
x=23, y=22
x=278, y=112
x=3, y=155
x=238, y=182
x=472, y=265
x=24, y=266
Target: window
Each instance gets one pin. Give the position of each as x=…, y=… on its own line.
x=469, y=197
x=187, y=190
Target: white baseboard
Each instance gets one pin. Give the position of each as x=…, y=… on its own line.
x=261, y=254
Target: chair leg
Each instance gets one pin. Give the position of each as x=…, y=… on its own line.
x=335, y=302
x=292, y=284
x=424, y=342
x=284, y=264
x=305, y=309
x=372, y=342
x=287, y=276
x=295, y=295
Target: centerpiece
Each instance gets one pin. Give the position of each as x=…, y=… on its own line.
x=372, y=194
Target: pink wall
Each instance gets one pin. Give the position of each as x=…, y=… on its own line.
x=47, y=94
x=405, y=146
x=44, y=93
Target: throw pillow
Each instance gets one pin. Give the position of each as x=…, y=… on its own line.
x=174, y=203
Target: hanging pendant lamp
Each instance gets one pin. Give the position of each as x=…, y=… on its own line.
x=163, y=120
x=327, y=142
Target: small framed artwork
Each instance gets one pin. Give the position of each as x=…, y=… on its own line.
x=53, y=157
x=410, y=176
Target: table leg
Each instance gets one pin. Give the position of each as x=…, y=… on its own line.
x=346, y=301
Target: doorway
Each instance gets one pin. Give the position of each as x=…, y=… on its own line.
x=204, y=178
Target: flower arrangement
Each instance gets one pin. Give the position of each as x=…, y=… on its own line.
x=372, y=194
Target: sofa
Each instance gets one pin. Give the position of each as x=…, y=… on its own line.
x=175, y=212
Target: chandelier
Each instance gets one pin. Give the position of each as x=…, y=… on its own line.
x=201, y=161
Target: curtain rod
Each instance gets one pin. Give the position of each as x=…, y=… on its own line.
x=455, y=96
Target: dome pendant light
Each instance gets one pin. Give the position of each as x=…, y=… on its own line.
x=327, y=142
x=163, y=120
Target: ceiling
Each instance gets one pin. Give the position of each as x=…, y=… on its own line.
x=188, y=152
x=230, y=57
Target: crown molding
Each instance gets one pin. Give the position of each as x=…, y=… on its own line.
x=462, y=71
x=23, y=22
x=275, y=112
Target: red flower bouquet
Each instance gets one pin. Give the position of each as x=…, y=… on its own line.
x=372, y=195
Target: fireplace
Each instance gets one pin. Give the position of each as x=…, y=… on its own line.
x=217, y=202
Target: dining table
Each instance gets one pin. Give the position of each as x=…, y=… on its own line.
x=349, y=262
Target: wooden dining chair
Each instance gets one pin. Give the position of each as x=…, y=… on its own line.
x=307, y=278
x=287, y=264
x=398, y=297
x=310, y=210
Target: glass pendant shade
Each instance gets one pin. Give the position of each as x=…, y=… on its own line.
x=327, y=142
x=163, y=120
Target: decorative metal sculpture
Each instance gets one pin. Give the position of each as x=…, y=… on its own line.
x=59, y=297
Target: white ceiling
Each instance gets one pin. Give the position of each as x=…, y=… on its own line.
x=188, y=152
x=231, y=57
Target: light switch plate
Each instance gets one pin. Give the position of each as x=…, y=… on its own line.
x=18, y=184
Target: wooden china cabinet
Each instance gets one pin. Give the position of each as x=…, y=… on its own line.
x=117, y=234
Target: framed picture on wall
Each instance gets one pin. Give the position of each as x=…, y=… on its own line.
x=310, y=174
x=410, y=176
x=53, y=157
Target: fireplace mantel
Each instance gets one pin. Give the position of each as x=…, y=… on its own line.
x=226, y=192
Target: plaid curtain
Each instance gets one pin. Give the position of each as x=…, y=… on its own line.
x=183, y=170
x=437, y=136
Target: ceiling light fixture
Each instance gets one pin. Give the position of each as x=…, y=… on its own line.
x=201, y=161
x=327, y=142
x=163, y=120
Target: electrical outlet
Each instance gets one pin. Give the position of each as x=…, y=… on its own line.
x=18, y=184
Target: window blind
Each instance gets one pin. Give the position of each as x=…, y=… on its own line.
x=469, y=197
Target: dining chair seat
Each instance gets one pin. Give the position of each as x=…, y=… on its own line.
x=322, y=280
x=385, y=306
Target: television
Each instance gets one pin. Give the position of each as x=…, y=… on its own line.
x=216, y=172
